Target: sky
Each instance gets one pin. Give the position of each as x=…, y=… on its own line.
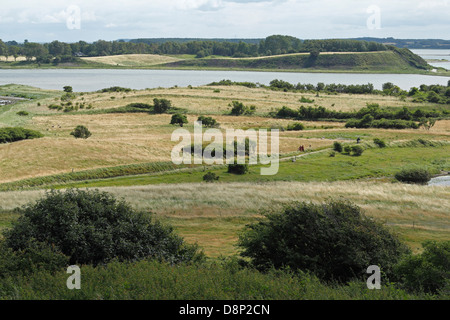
x=91, y=20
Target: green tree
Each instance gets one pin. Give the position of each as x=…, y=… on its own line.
x=178, y=119
x=68, y=89
x=161, y=105
x=81, y=132
x=333, y=240
x=92, y=227
x=428, y=271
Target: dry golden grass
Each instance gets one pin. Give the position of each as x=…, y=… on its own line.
x=119, y=139
x=133, y=60
x=213, y=214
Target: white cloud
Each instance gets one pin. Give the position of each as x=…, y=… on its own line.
x=222, y=18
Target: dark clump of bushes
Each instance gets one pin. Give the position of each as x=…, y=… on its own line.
x=208, y=122
x=337, y=146
x=81, y=132
x=238, y=168
x=427, y=272
x=333, y=240
x=210, y=177
x=115, y=89
x=239, y=109
x=92, y=227
x=296, y=127
x=415, y=175
x=161, y=105
x=380, y=143
x=8, y=135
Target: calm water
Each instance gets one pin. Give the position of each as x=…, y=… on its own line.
x=91, y=80
x=435, y=54
x=440, y=181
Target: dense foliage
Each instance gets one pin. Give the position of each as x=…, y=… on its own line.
x=81, y=132
x=428, y=271
x=333, y=240
x=414, y=175
x=92, y=227
x=16, y=134
x=60, y=52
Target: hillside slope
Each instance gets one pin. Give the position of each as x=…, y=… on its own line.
x=380, y=61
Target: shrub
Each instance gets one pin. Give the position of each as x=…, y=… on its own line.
x=413, y=175
x=347, y=149
x=428, y=271
x=81, y=132
x=337, y=146
x=296, y=127
x=238, y=168
x=333, y=240
x=208, y=122
x=210, y=177
x=161, y=105
x=306, y=100
x=92, y=227
x=35, y=256
x=380, y=143
x=8, y=135
x=357, y=151
x=179, y=119
x=22, y=113
x=238, y=109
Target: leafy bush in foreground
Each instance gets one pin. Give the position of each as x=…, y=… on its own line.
x=92, y=227
x=428, y=271
x=333, y=240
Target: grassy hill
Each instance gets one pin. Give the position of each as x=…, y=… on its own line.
x=381, y=61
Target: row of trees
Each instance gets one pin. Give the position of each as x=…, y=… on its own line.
x=273, y=45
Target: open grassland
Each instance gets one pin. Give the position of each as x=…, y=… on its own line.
x=121, y=139
x=213, y=214
x=120, y=155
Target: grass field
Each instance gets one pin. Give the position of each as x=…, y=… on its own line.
x=119, y=157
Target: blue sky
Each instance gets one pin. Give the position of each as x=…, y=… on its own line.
x=90, y=20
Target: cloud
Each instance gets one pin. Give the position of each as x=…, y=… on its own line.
x=41, y=20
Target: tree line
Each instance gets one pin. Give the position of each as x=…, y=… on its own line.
x=57, y=51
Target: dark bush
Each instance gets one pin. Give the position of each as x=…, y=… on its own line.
x=296, y=127
x=333, y=240
x=17, y=134
x=337, y=146
x=414, y=175
x=238, y=168
x=161, y=105
x=208, y=122
x=380, y=143
x=92, y=227
x=239, y=109
x=81, y=132
x=428, y=271
x=35, y=256
x=179, y=119
x=357, y=151
x=210, y=177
